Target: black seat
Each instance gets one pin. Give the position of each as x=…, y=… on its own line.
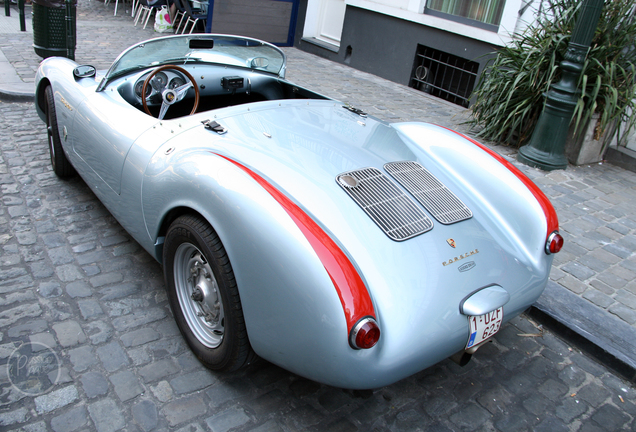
x=193, y=17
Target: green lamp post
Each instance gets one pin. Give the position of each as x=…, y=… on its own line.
x=546, y=147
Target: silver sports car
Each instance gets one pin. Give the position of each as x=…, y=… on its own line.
x=295, y=227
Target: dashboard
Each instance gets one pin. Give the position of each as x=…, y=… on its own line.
x=161, y=81
x=218, y=86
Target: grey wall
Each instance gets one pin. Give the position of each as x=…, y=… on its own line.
x=385, y=46
x=268, y=21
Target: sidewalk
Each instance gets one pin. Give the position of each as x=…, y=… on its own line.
x=591, y=296
x=12, y=87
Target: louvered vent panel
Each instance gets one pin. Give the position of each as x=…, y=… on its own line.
x=391, y=209
x=440, y=202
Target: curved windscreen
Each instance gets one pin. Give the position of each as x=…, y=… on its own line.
x=200, y=48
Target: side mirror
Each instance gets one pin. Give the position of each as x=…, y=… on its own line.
x=259, y=63
x=84, y=71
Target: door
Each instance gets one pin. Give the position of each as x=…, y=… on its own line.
x=104, y=132
x=330, y=21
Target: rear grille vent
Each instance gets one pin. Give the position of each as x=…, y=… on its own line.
x=440, y=202
x=391, y=209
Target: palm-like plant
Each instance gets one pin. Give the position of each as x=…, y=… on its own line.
x=509, y=97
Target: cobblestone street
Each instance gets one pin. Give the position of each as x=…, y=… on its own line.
x=85, y=322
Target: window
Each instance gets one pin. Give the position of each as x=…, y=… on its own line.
x=485, y=14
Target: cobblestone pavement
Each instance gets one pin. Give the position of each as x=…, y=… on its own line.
x=77, y=292
x=596, y=206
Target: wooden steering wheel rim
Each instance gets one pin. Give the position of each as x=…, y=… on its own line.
x=165, y=67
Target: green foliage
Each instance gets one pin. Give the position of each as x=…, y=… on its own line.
x=509, y=97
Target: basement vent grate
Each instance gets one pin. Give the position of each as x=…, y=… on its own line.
x=444, y=75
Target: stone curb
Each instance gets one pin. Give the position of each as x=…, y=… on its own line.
x=12, y=88
x=610, y=340
x=16, y=96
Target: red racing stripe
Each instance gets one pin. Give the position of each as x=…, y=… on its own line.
x=544, y=202
x=355, y=299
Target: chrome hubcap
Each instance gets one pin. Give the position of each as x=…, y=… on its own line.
x=198, y=294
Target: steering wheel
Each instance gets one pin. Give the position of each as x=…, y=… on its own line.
x=171, y=96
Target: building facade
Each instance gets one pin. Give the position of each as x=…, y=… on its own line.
x=437, y=46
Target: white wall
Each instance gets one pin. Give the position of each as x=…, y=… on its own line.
x=412, y=10
x=411, y=5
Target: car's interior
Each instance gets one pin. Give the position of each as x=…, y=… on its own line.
x=218, y=87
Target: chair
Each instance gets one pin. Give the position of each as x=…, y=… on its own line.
x=117, y=3
x=178, y=16
x=192, y=17
x=107, y=2
x=135, y=5
x=145, y=9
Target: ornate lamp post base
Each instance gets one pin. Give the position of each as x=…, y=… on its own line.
x=546, y=149
x=541, y=159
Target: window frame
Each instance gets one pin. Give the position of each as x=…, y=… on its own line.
x=465, y=20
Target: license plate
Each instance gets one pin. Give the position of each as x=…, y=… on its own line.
x=483, y=327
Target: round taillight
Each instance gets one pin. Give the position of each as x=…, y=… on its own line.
x=554, y=243
x=365, y=334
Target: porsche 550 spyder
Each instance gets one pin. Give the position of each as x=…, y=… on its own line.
x=294, y=227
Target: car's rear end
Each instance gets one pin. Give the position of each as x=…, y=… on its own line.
x=410, y=227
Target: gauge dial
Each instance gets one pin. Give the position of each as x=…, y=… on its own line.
x=159, y=81
x=139, y=87
x=176, y=82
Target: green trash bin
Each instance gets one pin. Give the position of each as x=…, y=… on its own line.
x=54, y=32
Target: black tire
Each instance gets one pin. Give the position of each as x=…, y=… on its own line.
x=192, y=252
x=61, y=166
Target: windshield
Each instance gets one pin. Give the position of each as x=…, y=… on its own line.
x=199, y=48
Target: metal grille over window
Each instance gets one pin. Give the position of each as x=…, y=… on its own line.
x=390, y=208
x=444, y=75
x=440, y=202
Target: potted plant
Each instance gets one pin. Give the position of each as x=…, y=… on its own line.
x=510, y=96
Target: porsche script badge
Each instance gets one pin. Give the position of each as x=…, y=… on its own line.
x=461, y=257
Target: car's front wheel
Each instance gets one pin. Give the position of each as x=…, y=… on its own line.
x=203, y=294
x=61, y=166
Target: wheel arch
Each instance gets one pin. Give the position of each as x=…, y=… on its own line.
x=283, y=283
x=165, y=222
x=281, y=280
x=40, y=97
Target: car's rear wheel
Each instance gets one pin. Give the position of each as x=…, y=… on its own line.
x=61, y=166
x=203, y=294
